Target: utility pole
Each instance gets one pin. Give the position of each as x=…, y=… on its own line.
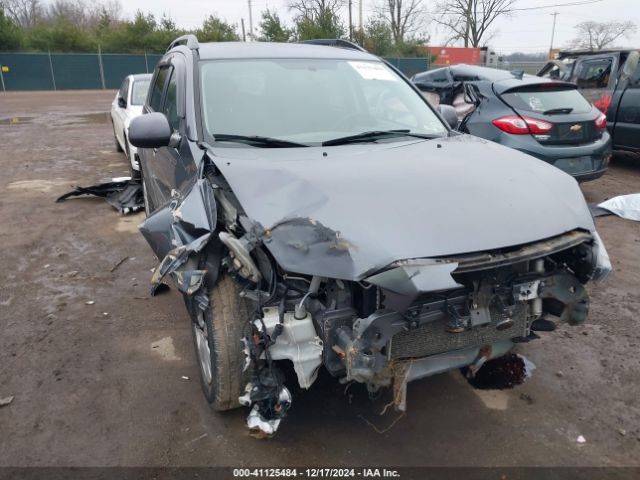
x=244, y=36
x=350, y=23
x=466, y=32
x=553, y=31
x=360, y=15
x=250, y=22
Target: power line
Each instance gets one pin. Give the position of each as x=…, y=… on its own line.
x=570, y=4
x=523, y=9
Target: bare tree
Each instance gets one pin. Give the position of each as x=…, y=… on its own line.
x=24, y=13
x=598, y=35
x=471, y=20
x=404, y=17
x=316, y=8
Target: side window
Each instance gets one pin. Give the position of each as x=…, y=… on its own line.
x=124, y=90
x=157, y=89
x=595, y=73
x=170, y=108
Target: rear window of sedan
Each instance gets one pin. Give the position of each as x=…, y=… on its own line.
x=541, y=99
x=139, y=93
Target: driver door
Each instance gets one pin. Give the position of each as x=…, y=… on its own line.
x=171, y=170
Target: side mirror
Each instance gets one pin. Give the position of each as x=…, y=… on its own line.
x=122, y=103
x=449, y=114
x=629, y=67
x=150, y=131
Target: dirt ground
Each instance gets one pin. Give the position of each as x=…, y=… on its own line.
x=115, y=382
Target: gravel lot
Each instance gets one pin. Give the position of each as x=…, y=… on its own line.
x=103, y=384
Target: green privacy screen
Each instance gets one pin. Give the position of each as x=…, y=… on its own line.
x=74, y=71
x=26, y=71
x=70, y=71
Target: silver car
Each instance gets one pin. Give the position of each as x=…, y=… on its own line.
x=126, y=106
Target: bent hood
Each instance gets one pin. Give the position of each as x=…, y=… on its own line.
x=361, y=207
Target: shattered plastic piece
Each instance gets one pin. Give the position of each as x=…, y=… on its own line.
x=175, y=259
x=122, y=193
x=6, y=401
x=624, y=206
x=89, y=302
x=260, y=426
x=184, y=377
x=257, y=424
x=581, y=439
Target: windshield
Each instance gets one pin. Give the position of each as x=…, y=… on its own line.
x=310, y=101
x=541, y=101
x=139, y=93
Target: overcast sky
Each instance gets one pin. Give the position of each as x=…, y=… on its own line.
x=527, y=31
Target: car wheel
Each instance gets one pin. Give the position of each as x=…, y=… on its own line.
x=217, y=334
x=115, y=139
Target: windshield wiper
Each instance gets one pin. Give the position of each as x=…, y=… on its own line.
x=256, y=140
x=555, y=111
x=375, y=135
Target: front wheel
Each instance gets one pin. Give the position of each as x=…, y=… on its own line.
x=217, y=334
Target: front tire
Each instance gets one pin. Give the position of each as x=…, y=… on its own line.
x=217, y=334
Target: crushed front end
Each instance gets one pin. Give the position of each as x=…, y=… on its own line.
x=411, y=319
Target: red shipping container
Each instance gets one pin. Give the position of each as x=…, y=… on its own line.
x=454, y=55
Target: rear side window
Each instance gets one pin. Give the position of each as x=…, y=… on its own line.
x=158, y=88
x=594, y=73
x=541, y=101
x=139, y=92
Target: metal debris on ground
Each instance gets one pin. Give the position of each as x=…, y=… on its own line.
x=204, y=435
x=122, y=193
x=6, y=401
x=120, y=262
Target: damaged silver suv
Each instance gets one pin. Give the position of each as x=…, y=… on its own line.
x=312, y=207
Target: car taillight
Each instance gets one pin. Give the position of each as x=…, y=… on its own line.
x=601, y=121
x=522, y=125
x=603, y=103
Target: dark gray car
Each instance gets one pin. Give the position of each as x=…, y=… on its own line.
x=311, y=206
x=544, y=118
x=610, y=79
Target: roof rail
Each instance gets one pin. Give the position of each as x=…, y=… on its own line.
x=334, y=42
x=189, y=40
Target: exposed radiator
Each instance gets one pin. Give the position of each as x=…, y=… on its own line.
x=433, y=337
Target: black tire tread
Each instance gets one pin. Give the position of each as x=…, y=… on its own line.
x=228, y=314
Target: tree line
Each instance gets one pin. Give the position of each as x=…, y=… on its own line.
x=397, y=27
x=86, y=26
